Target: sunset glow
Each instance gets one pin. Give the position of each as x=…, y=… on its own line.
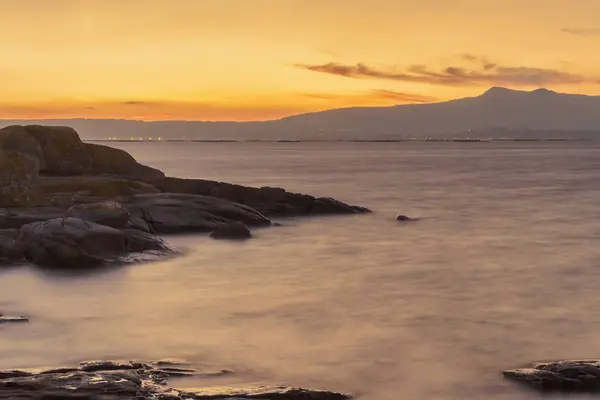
x=265, y=59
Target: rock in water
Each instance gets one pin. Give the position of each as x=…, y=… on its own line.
x=560, y=376
x=18, y=179
x=111, y=161
x=403, y=218
x=64, y=152
x=267, y=200
x=71, y=243
x=109, y=213
x=16, y=138
x=6, y=319
x=233, y=231
x=178, y=213
x=132, y=380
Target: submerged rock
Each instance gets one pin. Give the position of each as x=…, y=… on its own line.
x=6, y=318
x=403, y=218
x=129, y=380
x=109, y=213
x=560, y=376
x=71, y=243
x=233, y=231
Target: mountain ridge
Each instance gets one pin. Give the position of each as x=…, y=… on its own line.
x=496, y=109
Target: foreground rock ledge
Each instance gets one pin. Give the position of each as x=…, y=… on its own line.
x=560, y=376
x=133, y=380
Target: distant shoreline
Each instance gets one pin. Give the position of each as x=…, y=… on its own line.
x=338, y=141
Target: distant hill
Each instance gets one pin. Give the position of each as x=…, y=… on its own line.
x=499, y=112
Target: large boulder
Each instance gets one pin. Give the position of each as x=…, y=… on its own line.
x=267, y=200
x=178, y=213
x=64, y=152
x=14, y=218
x=109, y=213
x=110, y=161
x=71, y=243
x=18, y=179
x=17, y=138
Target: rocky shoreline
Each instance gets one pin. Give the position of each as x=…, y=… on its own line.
x=69, y=204
x=110, y=380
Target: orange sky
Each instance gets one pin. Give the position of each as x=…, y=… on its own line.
x=263, y=59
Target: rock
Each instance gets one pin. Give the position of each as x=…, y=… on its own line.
x=6, y=319
x=140, y=241
x=267, y=200
x=18, y=179
x=131, y=380
x=109, y=213
x=560, y=376
x=10, y=250
x=403, y=218
x=234, y=230
x=16, y=138
x=178, y=213
x=102, y=187
x=64, y=152
x=71, y=243
x=14, y=218
x=111, y=161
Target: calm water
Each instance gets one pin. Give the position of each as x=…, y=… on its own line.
x=502, y=270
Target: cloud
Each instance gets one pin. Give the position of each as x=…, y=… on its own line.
x=582, y=32
x=472, y=71
x=139, y=103
x=371, y=97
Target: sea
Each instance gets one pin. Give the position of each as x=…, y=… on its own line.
x=501, y=269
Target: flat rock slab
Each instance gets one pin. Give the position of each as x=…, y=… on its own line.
x=128, y=380
x=560, y=376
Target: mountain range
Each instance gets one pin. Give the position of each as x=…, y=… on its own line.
x=499, y=112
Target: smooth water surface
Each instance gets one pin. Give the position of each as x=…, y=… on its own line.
x=502, y=270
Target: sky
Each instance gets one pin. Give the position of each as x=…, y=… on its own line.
x=265, y=59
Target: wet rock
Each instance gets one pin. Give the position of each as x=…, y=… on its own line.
x=18, y=179
x=6, y=319
x=110, y=161
x=560, y=376
x=71, y=243
x=128, y=380
x=109, y=213
x=403, y=218
x=16, y=138
x=178, y=213
x=140, y=241
x=232, y=231
x=93, y=366
x=10, y=250
x=267, y=200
